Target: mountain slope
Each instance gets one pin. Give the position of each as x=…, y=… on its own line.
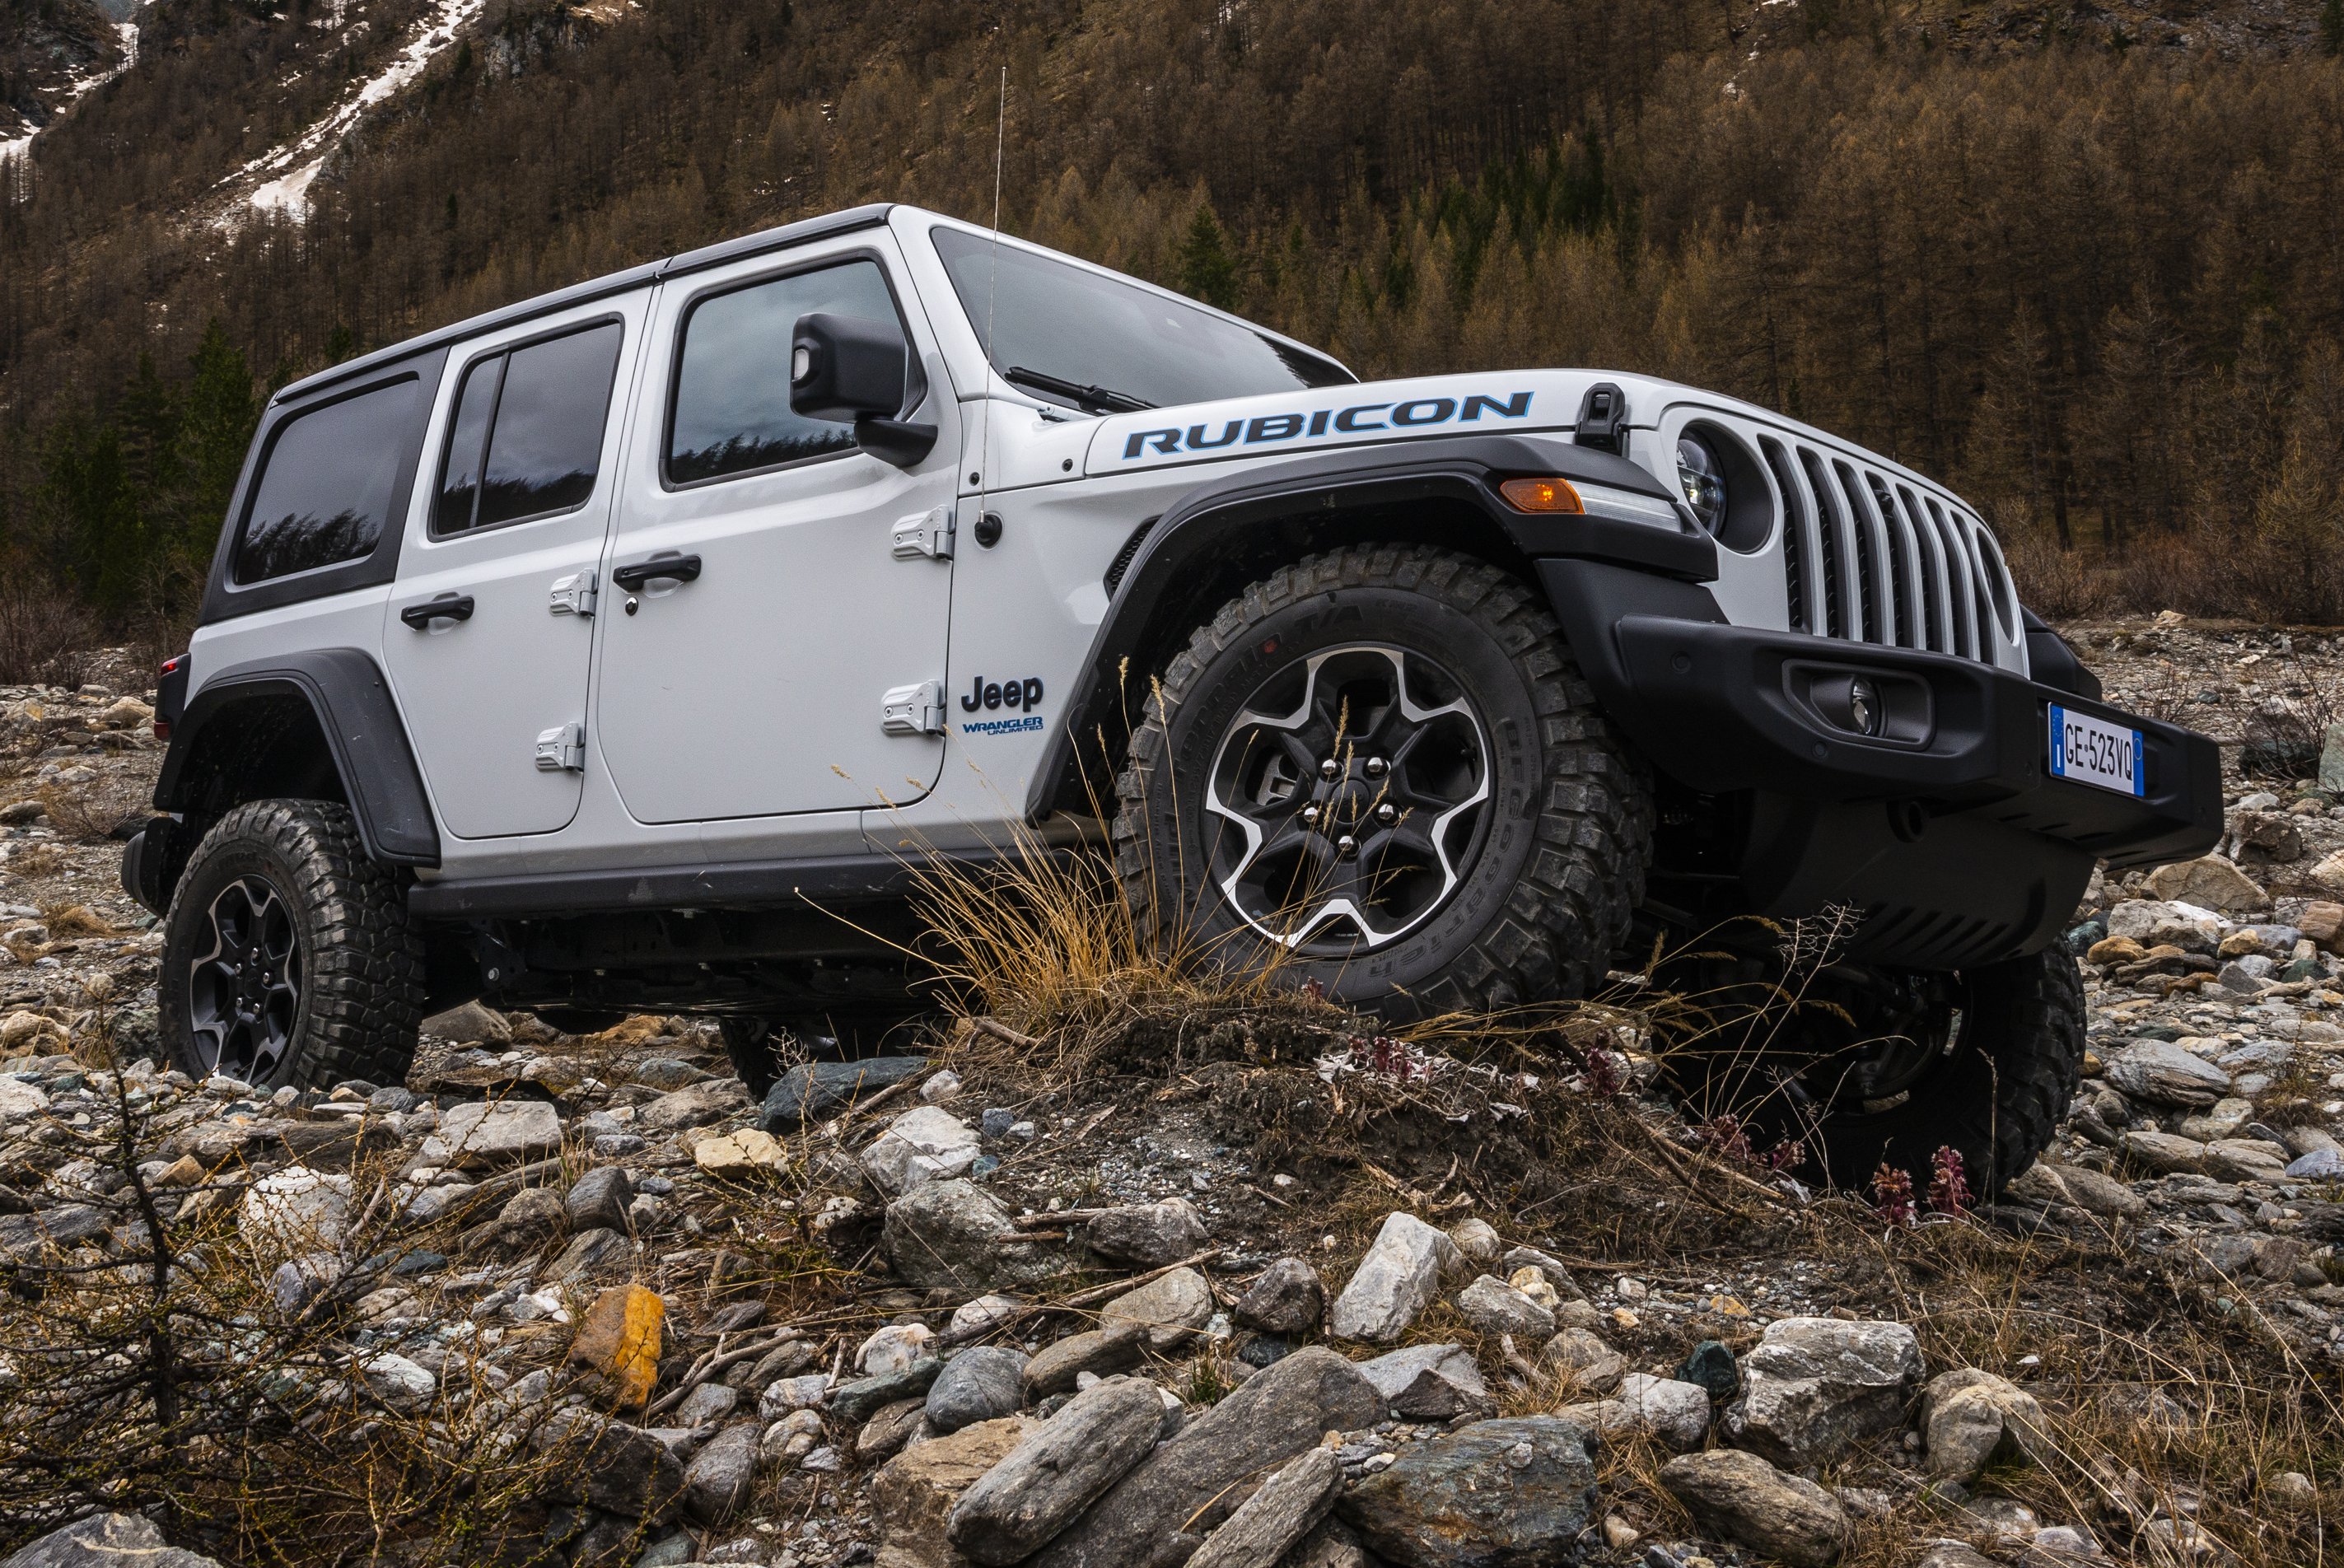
x=2082, y=259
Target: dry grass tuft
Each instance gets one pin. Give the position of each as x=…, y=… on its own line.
x=96, y=811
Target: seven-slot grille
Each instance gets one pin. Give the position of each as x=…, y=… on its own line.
x=1869, y=559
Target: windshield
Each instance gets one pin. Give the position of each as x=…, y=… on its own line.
x=1082, y=340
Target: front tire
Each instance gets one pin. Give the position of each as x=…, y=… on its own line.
x=1379, y=769
x=1865, y=1070
x=288, y=956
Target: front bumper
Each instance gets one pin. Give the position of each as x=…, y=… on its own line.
x=1722, y=708
x=1949, y=840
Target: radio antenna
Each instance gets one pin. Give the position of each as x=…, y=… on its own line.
x=992, y=287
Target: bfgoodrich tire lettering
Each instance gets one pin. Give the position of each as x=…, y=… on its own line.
x=336, y=925
x=1547, y=868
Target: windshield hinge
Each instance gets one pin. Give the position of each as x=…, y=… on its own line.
x=572, y=595
x=929, y=534
x=914, y=710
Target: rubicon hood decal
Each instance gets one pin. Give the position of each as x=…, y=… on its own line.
x=1329, y=417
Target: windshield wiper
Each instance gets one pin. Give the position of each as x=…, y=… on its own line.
x=1091, y=400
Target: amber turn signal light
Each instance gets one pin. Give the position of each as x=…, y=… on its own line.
x=1541, y=495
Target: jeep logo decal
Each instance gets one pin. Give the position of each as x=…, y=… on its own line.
x=1414, y=414
x=1026, y=693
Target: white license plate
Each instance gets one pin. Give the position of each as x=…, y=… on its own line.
x=2093, y=751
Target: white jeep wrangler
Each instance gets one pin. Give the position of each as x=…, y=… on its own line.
x=596, y=653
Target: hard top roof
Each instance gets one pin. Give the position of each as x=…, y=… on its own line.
x=799, y=233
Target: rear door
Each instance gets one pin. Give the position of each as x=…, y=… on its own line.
x=751, y=683
x=489, y=632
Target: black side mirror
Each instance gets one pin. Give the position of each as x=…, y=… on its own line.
x=845, y=368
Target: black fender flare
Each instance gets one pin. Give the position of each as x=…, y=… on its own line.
x=346, y=692
x=1266, y=516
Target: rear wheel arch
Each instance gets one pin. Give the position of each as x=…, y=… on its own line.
x=316, y=725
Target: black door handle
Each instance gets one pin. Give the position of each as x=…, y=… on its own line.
x=666, y=563
x=446, y=607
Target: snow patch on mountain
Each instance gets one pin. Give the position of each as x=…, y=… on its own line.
x=80, y=86
x=293, y=168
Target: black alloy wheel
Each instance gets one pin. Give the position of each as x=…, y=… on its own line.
x=244, y=992
x=1357, y=784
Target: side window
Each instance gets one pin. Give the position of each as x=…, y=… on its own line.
x=527, y=438
x=326, y=486
x=731, y=412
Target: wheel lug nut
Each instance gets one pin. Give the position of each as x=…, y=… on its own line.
x=1329, y=769
x=1347, y=846
x=1376, y=767
x=1309, y=817
x=1386, y=814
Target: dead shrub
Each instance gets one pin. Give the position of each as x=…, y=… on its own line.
x=97, y=811
x=46, y=638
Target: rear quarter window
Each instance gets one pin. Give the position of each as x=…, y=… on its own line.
x=327, y=483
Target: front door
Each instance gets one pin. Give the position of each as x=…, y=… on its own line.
x=488, y=638
x=744, y=676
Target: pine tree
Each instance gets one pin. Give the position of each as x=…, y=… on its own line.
x=221, y=416
x=1207, y=269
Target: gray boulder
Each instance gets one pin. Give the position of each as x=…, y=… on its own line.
x=1184, y=1483
x=1495, y=1307
x=1166, y=1309
x=696, y=1105
x=953, y=1236
x=1740, y=1496
x=1813, y=1387
x=856, y=1400
x=816, y=1091
x=1055, y=1368
x=1676, y=1412
x=1521, y=1258
x=618, y=1468
x=1398, y=1278
x=707, y=1405
x=1510, y=1494
x=1430, y=1382
x=2162, y=1073
x=599, y=1200
x=1277, y=1516
x=719, y=1477
x=106, y=1541
x=1286, y=1299
x=476, y=1134
x=1147, y=1235
x=1052, y=1476
x=980, y=1384
x=1972, y=1418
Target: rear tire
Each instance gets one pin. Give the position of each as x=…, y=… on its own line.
x=1995, y=1054
x=1380, y=770
x=288, y=956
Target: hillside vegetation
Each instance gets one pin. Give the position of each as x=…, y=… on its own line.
x=2083, y=262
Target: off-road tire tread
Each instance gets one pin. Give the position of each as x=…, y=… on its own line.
x=1585, y=875
x=2038, y=1061
x=364, y=970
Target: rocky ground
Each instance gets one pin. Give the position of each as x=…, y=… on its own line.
x=1232, y=1283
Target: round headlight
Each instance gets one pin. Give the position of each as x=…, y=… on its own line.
x=1702, y=478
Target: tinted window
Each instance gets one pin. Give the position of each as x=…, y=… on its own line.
x=732, y=386
x=467, y=441
x=1049, y=318
x=325, y=489
x=527, y=438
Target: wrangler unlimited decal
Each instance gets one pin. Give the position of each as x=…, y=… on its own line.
x=1414, y=414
